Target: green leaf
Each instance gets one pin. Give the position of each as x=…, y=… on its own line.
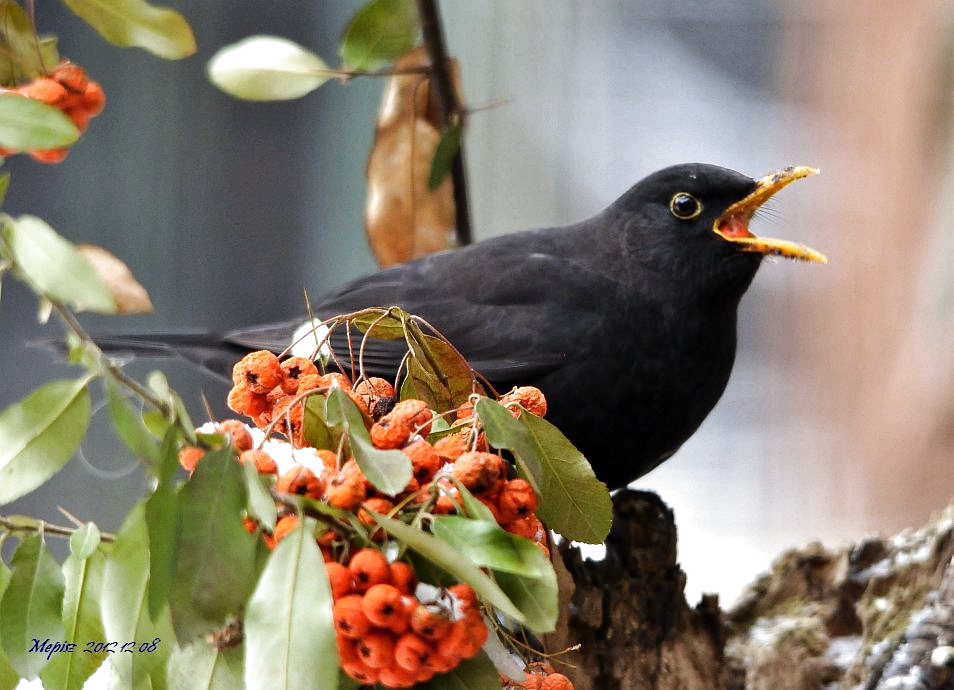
x=54, y=266
x=160, y=385
x=261, y=505
x=520, y=568
x=163, y=526
x=267, y=68
x=451, y=560
x=135, y=23
x=289, y=634
x=130, y=427
x=31, y=607
x=476, y=673
x=39, y=434
x=126, y=612
x=25, y=56
x=440, y=376
x=4, y=186
x=83, y=573
x=9, y=678
x=315, y=428
x=444, y=154
x=383, y=326
x=379, y=33
x=389, y=470
x=26, y=123
x=573, y=502
x=200, y=666
x=216, y=555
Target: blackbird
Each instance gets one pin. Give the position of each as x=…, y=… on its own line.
x=626, y=321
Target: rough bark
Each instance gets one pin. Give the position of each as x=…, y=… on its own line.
x=875, y=615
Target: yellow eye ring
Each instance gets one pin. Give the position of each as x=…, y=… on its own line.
x=684, y=206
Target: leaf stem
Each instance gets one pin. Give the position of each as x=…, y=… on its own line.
x=41, y=526
x=449, y=109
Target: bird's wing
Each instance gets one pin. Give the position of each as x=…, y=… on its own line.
x=496, y=303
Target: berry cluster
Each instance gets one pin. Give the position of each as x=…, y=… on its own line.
x=390, y=629
x=540, y=676
x=68, y=88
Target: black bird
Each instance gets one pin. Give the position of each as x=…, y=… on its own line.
x=626, y=321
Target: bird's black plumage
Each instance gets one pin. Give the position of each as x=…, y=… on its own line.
x=626, y=321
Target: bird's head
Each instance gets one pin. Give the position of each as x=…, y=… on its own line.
x=691, y=222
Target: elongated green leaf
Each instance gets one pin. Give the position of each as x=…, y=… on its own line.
x=9, y=678
x=39, y=434
x=26, y=123
x=387, y=326
x=380, y=32
x=83, y=573
x=315, y=427
x=25, y=56
x=200, y=666
x=520, y=568
x=4, y=186
x=573, y=502
x=444, y=154
x=451, y=560
x=440, y=376
x=30, y=610
x=267, y=68
x=130, y=427
x=477, y=673
x=216, y=555
x=126, y=612
x=135, y=23
x=261, y=505
x=54, y=266
x=163, y=526
x=160, y=385
x=389, y=470
x=289, y=634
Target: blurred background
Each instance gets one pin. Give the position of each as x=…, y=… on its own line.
x=839, y=419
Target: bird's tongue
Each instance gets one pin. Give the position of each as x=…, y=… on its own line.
x=735, y=228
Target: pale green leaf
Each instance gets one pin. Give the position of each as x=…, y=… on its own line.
x=289, y=634
x=54, y=266
x=261, y=505
x=9, y=678
x=31, y=607
x=25, y=55
x=163, y=526
x=83, y=573
x=26, y=123
x=200, y=666
x=216, y=559
x=39, y=434
x=125, y=610
x=573, y=502
x=267, y=68
x=379, y=33
x=135, y=23
x=444, y=154
x=477, y=673
x=389, y=470
x=130, y=427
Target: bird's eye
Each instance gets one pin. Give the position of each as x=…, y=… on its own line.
x=685, y=206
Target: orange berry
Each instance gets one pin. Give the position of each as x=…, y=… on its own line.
x=329, y=460
x=301, y=481
x=71, y=76
x=351, y=661
x=465, y=638
x=403, y=577
x=452, y=446
x=285, y=526
x=236, y=432
x=556, y=681
x=293, y=369
x=94, y=98
x=517, y=499
x=79, y=116
x=528, y=526
x=383, y=605
x=478, y=471
x=349, y=619
x=386, y=434
x=340, y=579
x=411, y=652
x=528, y=397
x=369, y=567
x=430, y=621
x=44, y=89
x=532, y=682
x=424, y=460
x=372, y=389
x=466, y=598
x=189, y=457
x=345, y=492
x=396, y=677
x=376, y=648
x=244, y=401
x=258, y=371
x=334, y=379
x=263, y=461
x=396, y=427
x=49, y=155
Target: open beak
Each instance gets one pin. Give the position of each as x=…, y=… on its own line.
x=733, y=225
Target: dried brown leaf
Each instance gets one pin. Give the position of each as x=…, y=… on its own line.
x=130, y=296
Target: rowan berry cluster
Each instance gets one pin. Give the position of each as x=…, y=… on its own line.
x=540, y=676
x=390, y=629
x=68, y=88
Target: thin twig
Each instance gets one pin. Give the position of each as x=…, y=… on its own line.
x=47, y=528
x=448, y=109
